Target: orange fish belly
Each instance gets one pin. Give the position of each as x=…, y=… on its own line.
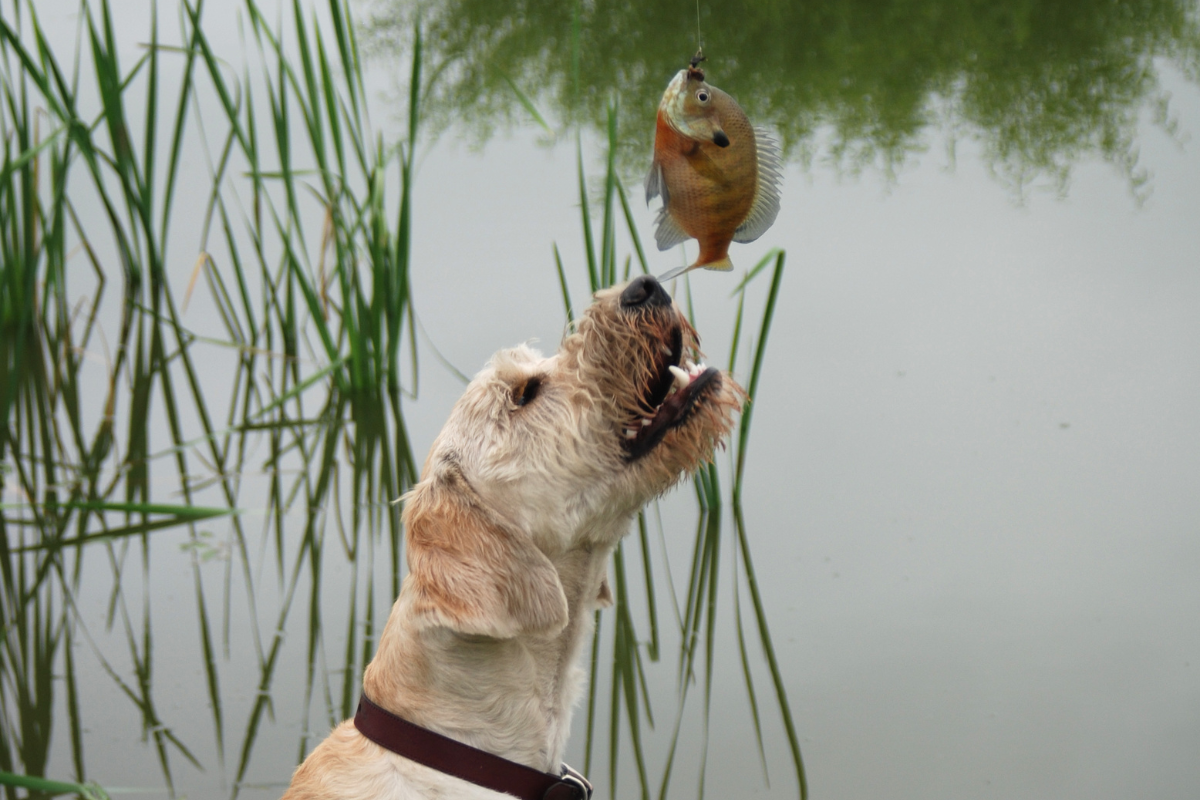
x=710, y=189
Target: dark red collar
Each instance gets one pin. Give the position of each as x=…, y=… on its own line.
x=463, y=761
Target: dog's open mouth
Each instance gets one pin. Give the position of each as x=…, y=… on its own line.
x=675, y=386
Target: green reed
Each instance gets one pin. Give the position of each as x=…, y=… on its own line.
x=272, y=289
x=114, y=433
x=43, y=787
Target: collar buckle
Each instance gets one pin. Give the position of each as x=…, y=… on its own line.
x=571, y=786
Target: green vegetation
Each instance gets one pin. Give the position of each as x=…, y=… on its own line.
x=118, y=450
x=80, y=467
x=43, y=787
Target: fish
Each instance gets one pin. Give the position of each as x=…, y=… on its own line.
x=719, y=177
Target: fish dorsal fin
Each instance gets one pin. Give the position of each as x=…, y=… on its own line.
x=656, y=185
x=667, y=232
x=766, y=196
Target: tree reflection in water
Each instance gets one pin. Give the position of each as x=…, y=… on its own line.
x=1040, y=84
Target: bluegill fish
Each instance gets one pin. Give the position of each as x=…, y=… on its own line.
x=719, y=177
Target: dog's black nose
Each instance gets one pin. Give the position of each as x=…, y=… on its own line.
x=644, y=292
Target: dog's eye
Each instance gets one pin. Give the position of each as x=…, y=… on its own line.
x=524, y=394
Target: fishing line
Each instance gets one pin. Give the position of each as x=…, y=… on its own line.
x=699, y=44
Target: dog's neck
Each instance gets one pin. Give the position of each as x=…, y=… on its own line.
x=512, y=697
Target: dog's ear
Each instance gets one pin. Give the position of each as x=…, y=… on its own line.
x=471, y=574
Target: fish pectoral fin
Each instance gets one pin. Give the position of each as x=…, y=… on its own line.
x=655, y=184
x=765, y=208
x=667, y=232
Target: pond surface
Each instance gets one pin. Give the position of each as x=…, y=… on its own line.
x=971, y=489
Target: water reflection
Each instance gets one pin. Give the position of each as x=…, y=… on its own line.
x=1040, y=84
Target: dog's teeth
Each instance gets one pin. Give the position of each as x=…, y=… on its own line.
x=630, y=433
x=645, y=422
x=682, y=379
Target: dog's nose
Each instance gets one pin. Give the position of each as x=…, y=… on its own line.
x=644, y=292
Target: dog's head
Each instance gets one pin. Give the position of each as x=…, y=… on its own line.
x=543, y=455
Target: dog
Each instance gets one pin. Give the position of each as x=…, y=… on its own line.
x=526, y=491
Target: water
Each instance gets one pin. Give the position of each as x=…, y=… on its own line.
x=971, y=485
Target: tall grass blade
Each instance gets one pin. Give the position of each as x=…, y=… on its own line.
x=562, y=285
x=651, y=594
x=88, y=791
x=743, y=541
x=525, y=102
x=593, y=689
x=631, y=227
x=589, y=248
x=608, y=244
x=756, y=369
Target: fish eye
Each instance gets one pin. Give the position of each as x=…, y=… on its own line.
x=702, y=96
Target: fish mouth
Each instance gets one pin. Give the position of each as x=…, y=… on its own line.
x=675, y=387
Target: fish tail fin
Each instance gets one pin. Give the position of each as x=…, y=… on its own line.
x=720, y=265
